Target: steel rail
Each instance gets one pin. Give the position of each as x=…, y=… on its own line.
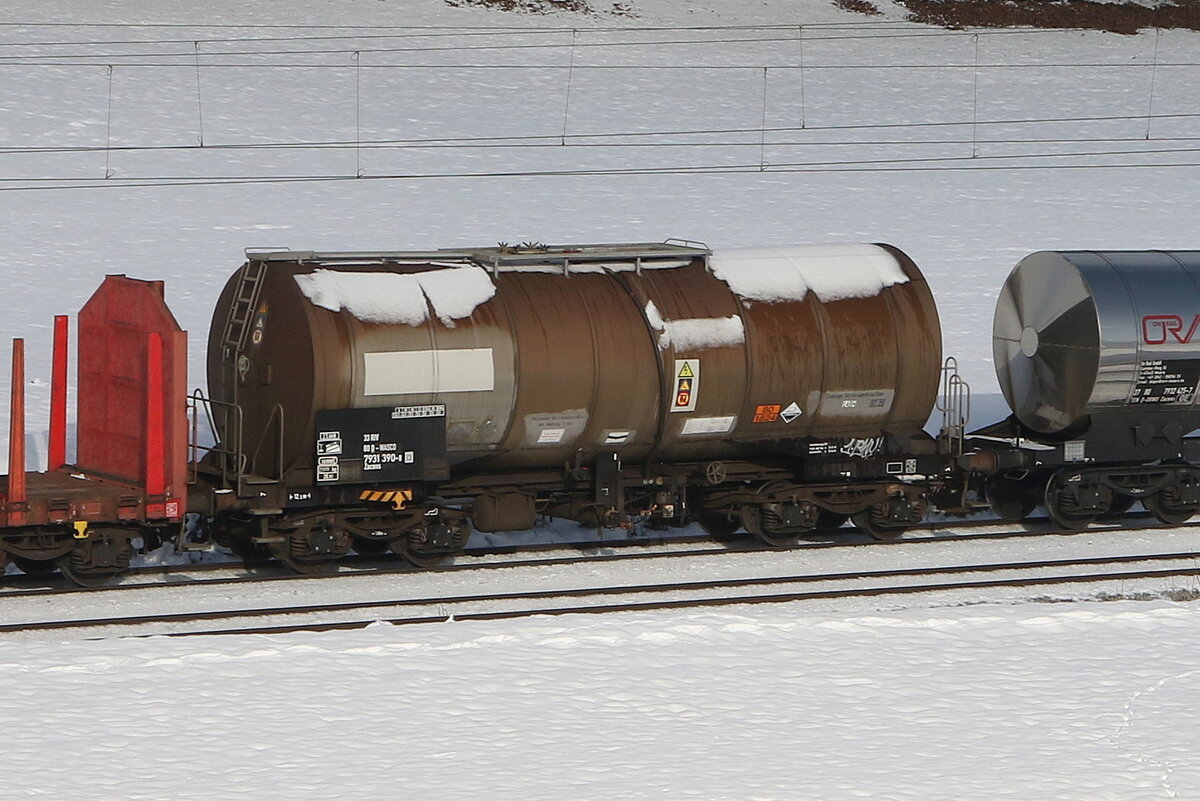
x=639, y=549
x=645, y=589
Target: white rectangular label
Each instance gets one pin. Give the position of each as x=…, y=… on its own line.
x=409, y=412
x=707, y=425
x=550, y=436
x=857, y=403
x=429, y=372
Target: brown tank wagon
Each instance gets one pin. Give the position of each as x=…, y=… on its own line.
x=577, y=380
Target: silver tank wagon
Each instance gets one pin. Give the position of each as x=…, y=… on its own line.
x=1078, y=333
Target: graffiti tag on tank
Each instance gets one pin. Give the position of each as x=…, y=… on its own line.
x=856, y=447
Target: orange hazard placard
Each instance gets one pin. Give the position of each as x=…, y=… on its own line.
x=767, y=413
x=686, y=385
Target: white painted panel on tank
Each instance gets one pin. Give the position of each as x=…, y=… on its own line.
x=429, y=372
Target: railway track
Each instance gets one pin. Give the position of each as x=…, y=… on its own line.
x=717, y=592
x=535, y=555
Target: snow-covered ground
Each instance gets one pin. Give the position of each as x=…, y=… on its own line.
x=1074, y=702
x=471, y=130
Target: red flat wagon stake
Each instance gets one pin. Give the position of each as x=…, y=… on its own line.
x=17, y=499
x=58, y=396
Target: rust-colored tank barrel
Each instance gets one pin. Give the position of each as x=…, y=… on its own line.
x=539, y=357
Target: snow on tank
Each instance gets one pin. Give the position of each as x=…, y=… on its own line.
x=393, y=298
x=771, y=274
x=831, y=272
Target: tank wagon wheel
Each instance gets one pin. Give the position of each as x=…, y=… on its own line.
x=308, y=565
x=415, y=556
x=88, y=576
x=1011, y=499
x=1120, y=505
x=719, y=525
x=368, y=547
x=99, y=558
x=868, y=522
x=432, y=542
x=759, y=523
x=253, y=556
x=413, y=547
x=1062, y=502
x=828, y=521
x=314, y=549
x=35, y=567
x=1168, y=508
x=236, y=535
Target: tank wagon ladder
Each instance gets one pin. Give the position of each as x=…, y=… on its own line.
x=241, y=311
x=955, y=406
x=233, y=342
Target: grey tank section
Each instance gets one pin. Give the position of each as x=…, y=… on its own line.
x=1082, y=332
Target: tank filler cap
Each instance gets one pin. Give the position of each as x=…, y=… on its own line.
x=1029, y=341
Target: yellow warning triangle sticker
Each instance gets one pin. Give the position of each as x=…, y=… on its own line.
x=686, y=371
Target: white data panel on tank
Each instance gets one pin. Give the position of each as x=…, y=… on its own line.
x=429, y=372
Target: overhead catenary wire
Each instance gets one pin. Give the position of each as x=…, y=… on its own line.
x=379, y=27
x=885, y=29
x=655, y=43
x=500, y=46
x=931, y=164
x=300, y=65
x=597, y=138
x=923, y=33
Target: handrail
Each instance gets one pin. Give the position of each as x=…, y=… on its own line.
x=955, y=406
x=276, y=418
x=232, y=465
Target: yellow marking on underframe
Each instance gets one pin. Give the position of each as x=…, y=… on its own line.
x=401, y=500
x=81, y=529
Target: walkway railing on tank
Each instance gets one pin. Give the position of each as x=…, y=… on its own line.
x=226, y=453
x=955, y=406
x=690, y=243
x=225, y=461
